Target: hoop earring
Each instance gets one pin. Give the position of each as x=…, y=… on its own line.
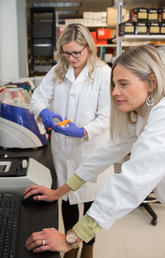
x=149, y=101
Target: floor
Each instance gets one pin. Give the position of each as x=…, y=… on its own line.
x=132, y=236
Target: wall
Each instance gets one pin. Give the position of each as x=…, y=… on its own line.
x=22, y=38
x=12, y=40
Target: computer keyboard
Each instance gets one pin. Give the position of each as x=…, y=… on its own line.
x=9, y=225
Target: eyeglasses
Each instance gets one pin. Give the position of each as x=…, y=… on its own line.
x=74, y=54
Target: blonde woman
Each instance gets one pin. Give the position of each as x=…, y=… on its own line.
x=78, y=86
x=137, y=127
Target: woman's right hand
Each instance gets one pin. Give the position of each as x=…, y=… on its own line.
x=42, y=193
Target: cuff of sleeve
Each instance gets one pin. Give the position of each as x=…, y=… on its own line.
x=86, y=228
x=85, y=137
x=75, y=182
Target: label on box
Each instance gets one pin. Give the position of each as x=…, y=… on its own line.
x=142, y=16
x=141, y=29
x=103, y=33
x=128, y=29
x=153, y=16
x=154, y=28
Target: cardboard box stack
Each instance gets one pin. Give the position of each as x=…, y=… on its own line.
x=95, y=19
x=90, y=19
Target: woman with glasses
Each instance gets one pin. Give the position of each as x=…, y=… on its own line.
x=78, y=86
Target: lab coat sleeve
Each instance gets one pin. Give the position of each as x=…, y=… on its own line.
x=139, y=176
x=102, y=115
x=43, y=94
x=105, y=156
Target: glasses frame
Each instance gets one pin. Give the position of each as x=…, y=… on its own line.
x=68, y=54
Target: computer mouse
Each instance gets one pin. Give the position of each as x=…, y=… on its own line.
x=31, y=200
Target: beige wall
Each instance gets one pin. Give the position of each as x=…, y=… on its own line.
x=12, y=63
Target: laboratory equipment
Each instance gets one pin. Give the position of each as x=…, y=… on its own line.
x=18, y=127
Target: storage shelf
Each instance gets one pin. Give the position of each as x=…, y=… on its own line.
x=91, y=25
x=141, y=38
x=42, y=39
x=106, y=45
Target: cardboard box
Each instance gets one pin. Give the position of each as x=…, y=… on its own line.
x=153, y=14
x=126, y=28
x=141, y=28
x=154, y=28
x=112, y=16
x=94, y=15
x=103, y=33
x=94, y=36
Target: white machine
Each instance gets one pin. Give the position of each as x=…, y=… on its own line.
x=18, y=127
x=18, y=173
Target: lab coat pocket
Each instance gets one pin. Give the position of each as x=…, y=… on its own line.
x=88, y=105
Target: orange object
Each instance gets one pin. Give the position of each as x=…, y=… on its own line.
x=94, y=36
x=61, y=123
x=103, y=33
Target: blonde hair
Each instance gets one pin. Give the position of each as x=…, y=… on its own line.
x=143, y=61
x=81, y=35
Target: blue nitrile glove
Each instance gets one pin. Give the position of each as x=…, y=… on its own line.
x=47, y=117
x=70, y=130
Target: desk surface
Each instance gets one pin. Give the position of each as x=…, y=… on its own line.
x=35, y=217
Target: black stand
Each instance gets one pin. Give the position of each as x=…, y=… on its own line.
x=146, y=205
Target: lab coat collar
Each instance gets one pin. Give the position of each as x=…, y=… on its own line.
x=82, y=76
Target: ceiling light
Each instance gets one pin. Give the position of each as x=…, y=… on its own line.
x=57, y=4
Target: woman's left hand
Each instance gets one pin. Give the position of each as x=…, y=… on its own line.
x=49, y=239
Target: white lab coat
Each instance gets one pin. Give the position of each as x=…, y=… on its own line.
x=141, y=174
x=87, y=104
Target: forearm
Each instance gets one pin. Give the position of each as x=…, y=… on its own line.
x=72, y=184
x=62, y=190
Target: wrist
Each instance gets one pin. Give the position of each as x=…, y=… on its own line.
x=72, y=239
x=85, y=136
x=64, y=189
x=85, y=132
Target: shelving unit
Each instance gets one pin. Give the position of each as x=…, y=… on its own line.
x=143, y=38
x=132, y=40
x=42, y=40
